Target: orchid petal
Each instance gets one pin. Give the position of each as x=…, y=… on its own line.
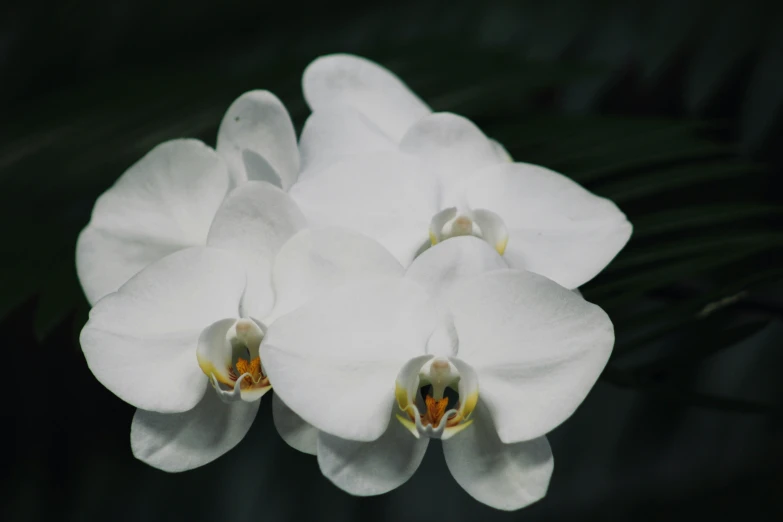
x=336, y=132
x=371, y=468
x=452, y=147
x=537, y=348
x=335, y=359
x=292, y=428
x=140, y=342
x=383, y=195
x=452, y=261
x=181, y=441
x=500, y=151
x=314, y=262
x=502, y=476
x=258, y=168
x=254, y=222
x=345, y=79
x=556, y=228
x=163, y=203
x=258, y=122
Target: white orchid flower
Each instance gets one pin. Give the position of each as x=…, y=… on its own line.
x=376, y=159
x=199, y=315
x=459, y=348
x=166, y=201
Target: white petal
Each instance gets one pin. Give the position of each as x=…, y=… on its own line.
x=182, y=441
x=502, y=476
x=556, y=227
x=140, y=342
x=371, y=468
x=452, y=261
x=254, y=222
x=258, y=168
x=258, y=122
x=537, y=348
x=292, y=428
x=383, y=195
x=163, y=203
x=500, y=151
x=451, y=146
x=316, y=261
x=444, y=341
x=336, y=132
x=334, y=360
x=351, y=80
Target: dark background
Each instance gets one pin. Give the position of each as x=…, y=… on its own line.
x=674, y=109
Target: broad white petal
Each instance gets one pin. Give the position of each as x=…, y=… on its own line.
x=537, y=348
x=453, y=260
x=316, y=261
x=258, y=122
x=451, y=146
x=384, y=195
x=351, y=80
x=293, y=429
x=163, y=203
x=371, y=468
x=334, y=360
x=182, y=441
x=254, y=222
x=140, y=342
x=556, y=227
x=502, y=476
x=336, y=132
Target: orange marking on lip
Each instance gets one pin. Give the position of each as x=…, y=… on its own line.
x=436, y=408
x=256, y=377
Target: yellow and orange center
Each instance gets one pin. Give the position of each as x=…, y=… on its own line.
x=436, y=409
x=255, y=376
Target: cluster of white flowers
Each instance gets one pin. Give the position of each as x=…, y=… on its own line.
x=393, y=275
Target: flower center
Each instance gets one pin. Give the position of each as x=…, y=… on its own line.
x=480, y=223
x=228, y=355
x=437, y=410
x=253, y=374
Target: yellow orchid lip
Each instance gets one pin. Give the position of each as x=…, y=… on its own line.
x=228, y=355
x=436, y=416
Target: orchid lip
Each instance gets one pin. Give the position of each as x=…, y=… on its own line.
x=481, y=223
x=436, y=402
x=228, y=354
